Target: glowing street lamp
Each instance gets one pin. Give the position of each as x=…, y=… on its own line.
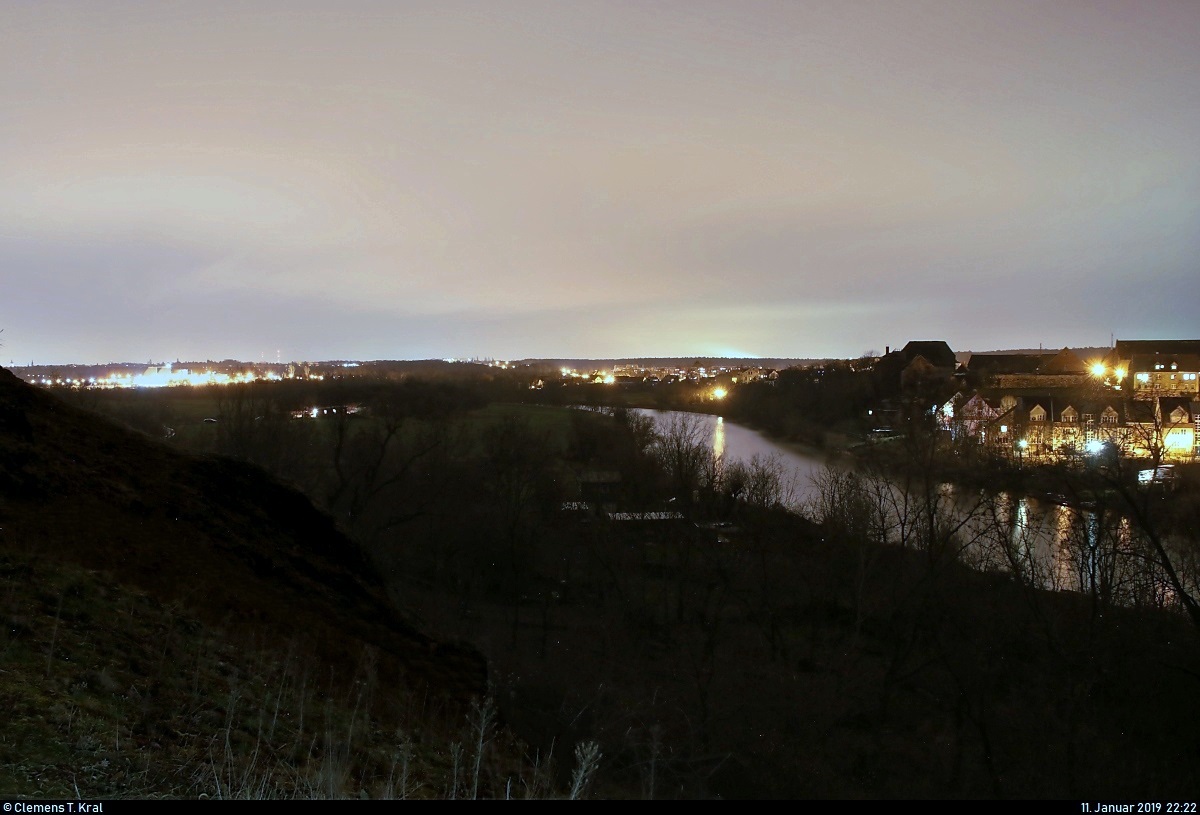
x=719, y=393
x=1098, y=369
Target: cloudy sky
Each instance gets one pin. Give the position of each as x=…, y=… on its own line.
x=513, y=178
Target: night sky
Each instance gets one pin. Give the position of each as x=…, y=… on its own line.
x=402, y=180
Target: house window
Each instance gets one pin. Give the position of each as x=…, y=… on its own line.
x=1109, y=418
x=1143, y=377
x=1003, y=428
x=1089, y=418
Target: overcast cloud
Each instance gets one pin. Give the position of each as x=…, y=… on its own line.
x=593, y=179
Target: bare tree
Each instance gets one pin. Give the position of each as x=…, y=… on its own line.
x=686, y=457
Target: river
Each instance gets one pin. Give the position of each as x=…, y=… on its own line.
x=736, y=442
x=1060, y=547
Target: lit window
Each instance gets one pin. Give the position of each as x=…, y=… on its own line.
x=1178, y=441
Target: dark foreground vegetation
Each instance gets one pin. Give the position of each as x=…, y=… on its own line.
x=442, y=616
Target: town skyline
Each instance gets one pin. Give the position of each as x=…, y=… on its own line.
x=485, y=358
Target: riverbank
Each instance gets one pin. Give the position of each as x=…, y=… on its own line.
x=1078, y=484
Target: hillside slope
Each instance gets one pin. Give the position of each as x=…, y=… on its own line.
x=107, y=536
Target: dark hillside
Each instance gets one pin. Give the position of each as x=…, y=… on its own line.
x=217, y=542
x=185, y=626
x=221, y=537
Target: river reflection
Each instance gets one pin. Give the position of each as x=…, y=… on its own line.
x=1061, y=547
x=1043, y=540
x=734, y=442
x=1053, y=545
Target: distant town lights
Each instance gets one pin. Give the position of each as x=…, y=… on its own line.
x=167, y=377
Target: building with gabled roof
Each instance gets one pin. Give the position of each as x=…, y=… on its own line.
x=1047, y=424
x=1151, y=368
x=1063, y=369
x=1166, y=428
x=988, y=418
x=920, y=366
x=1151, y=375
x=1065, y=362
x=982, y=368
x=936, y=352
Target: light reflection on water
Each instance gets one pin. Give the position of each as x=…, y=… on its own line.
x=1063, y=547
x=736, y=442
x=1060, y=546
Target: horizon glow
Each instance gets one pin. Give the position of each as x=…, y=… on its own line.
x=593, y=180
